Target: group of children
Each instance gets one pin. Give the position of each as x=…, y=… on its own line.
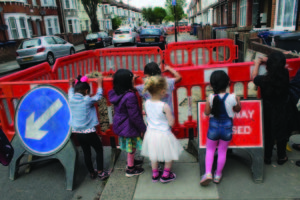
x=155, y=140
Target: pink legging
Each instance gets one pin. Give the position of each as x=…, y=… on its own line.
x=211, y=146
x=130, y=158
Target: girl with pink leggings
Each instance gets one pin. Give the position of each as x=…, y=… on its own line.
x=220, y=106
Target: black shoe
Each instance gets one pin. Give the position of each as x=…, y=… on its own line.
x=296, y=146
x=93, y=175
x=282, y=161
x=268, y=161
x=171, y=177
x=104, y=175
x=134, y=172
x=298, y=163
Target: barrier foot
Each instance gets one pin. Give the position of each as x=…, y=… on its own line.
x=67, y=157
x=115, y=153
x=257, y=165
x=201, y=158
x=19, y=151
x=192, y=147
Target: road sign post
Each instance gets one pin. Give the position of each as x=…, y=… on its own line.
x=247, y=135
x=175, y=17
x=42, y=129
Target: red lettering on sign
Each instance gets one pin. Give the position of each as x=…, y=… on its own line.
x=247, y=125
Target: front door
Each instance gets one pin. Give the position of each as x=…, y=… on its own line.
x=38, y=27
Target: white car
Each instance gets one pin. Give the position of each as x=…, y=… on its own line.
x=125, y=35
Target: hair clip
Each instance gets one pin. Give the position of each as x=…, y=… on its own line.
x=82, y=79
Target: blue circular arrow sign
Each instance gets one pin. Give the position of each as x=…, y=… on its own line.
x=42, y=120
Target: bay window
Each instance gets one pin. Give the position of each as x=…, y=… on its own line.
x=286, y=13
x=243, y=12
x=13, y=28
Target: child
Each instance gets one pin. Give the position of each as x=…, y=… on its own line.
x=221, y=107
x=128, y=121
x=159, y=142
x=83, y=122
x=152, y=69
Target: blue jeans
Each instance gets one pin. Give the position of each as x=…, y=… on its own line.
x=220, y=129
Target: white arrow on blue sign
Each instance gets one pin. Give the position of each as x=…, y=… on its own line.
x=173, y=2
x=42, y=120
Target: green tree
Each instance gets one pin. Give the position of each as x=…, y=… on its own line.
x=148, y=15
x=116, y=22
x=159, y=14
x=90, y=7
x=180, y=4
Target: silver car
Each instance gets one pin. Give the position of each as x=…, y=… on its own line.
x=124, y=36
x=41, y=49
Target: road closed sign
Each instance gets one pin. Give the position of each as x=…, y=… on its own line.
x=247, y=125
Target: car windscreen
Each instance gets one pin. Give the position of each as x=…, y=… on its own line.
x=92, y=36
x=30, y=43
x=122, y=31
x=150, y=32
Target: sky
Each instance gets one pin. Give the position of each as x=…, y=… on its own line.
x=148, y=3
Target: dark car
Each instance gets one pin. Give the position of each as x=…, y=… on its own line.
x=97, y=40
x=151, y=37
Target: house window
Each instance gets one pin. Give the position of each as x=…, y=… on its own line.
x=56, y=26
x=23, y=27
x=70, y=24
x=215, y=16
x=50, y=28
x=286, y=14
x=225, y=15
x=34, y=2
x=107, y=25
x=233, y=12
x=67, y=2
x=48, y=3
x=30, y=27
x=243, y=12
x=87, y=25
x=75, y=25
x=13, y=28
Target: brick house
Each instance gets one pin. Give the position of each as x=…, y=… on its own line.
x=28, y=18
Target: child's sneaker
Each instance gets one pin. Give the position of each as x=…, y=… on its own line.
x=103, y=175
x=206, y=179
x=155, y=179
x=217, y=178
x=135, y=171
x=171, y=177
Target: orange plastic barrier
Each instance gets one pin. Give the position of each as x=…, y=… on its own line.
x=193, y=78
x=132, y=58
x=201, y=52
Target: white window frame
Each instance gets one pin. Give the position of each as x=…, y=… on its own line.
x=48, y=3
x=75, y=24
x=243, y=10
x=17, y=17
x=11, y=29
x=34, y=3
x=294, y=14
x=234, y=12
x=54, y=29
x=25, y=28
x=87, y=25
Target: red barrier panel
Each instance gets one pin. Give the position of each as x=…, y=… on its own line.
x=132, y=58
x=39, y=72
x=76, y=64
x=201, y=52
x=195, y=84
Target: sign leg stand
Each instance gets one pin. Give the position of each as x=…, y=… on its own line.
x=257, y=165
x=19, y=152
x=201, y=159
x=67, y=157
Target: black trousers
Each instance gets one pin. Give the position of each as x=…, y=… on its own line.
x=281, y=148
x=87, y=141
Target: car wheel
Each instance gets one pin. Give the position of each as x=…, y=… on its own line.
x=50, y=59
x=23, y=66
x=72, y=51
x=115, y=45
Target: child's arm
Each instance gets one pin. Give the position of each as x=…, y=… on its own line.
x=207, y=107
x=71, y=90
x=176, y=75
x=169, y=114
x=257, y=64
x=99, y=93
x=237, y=107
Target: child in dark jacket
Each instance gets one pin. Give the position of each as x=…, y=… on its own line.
x=128, y=121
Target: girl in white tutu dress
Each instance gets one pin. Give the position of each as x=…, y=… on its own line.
x=159, y=144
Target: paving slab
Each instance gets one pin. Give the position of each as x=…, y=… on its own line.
x=186, y=185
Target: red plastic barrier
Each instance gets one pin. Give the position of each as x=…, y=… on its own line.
x=132, y=58
x=201, y=52
x=39, y=72
x=193, y=78
x=76, y=64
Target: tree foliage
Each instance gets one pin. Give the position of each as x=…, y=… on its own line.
x=180, y=4
x=90, y=6
x=116, y=22
x=154, y=15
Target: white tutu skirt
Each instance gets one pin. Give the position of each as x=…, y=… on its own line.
x=161, y=146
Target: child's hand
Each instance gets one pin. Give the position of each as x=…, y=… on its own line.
x=100, y=79
x=167, y=68
x=238, y=99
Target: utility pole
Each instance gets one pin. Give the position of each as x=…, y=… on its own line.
x=128, y=12
x=175, y=17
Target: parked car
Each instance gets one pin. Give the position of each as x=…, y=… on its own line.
x=97, y=40
x=41, y=49
x=124, y=36
x=151, y=37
